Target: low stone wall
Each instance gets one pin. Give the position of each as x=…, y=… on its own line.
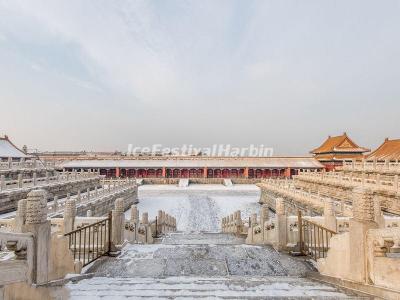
x=12, y=174
x=103, y=204
x=389, y=199
x=9, y=198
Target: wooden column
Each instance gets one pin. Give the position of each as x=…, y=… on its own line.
x=117, y=172
x=287, y=173
x=246, y=172
x=163, y=172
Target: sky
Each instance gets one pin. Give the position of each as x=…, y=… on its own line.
x=99, y=75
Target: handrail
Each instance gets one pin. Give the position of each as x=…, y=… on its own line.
x=88, y=243
x=314, y=239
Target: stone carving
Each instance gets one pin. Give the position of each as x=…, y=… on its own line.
x=70, y=208
x=36, y=207
x=363, y=204
x=134, y=214
x=21, y=210
x=145, y=218
x=119, y=206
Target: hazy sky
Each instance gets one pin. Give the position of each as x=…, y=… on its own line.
x=99, y=75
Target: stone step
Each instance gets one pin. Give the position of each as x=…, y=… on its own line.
x=198, y=287
x=183, y=183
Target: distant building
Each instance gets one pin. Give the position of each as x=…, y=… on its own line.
x=196, y=166
x=337, y=149
x=388, y=151
x=8, y=149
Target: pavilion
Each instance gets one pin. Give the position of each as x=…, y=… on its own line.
x=337, y=149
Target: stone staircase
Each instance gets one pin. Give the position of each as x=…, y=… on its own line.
x=204, y=288
x=202, y=266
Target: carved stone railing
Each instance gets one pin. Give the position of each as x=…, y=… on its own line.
x=338, y=178
x=143, y=231
x=117, y=189
x=34, y=181
x=19, y=265
x=372, y=166
x=313, y=201
x=24, y=164
x=383, y=257
x=235, y=224
x=340, y=186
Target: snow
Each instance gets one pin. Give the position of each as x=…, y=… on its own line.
x=198, y=207
x=9, y=150
x=199, y=287
x=189, y=271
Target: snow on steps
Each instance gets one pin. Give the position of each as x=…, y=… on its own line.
x=183, y=182
x=200, y=287
x=228, y=182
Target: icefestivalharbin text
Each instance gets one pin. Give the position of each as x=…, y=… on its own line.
x=216, y=150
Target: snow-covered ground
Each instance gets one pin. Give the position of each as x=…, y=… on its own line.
x=198, y=207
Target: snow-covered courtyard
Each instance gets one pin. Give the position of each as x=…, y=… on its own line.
x=198, y=207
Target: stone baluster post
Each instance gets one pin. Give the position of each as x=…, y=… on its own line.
x=10, y=163
x=163, y=222
x=378, y=179
x=281, y=224
x=89, y=213
x=145, y=218
x=329, y=215
x=22, y=162
x=34, y=179
x=69, y=215
x=134, y=214
x=148, y=239
x=159, y=221
x=118, y=220
x=396, y=183
x=264, y=216
x=360, y=223
x=20, y=216
x=47, y=177
x=378, y=215
x=20, y=180
x=253, y=219
x=2, y=183
x=374, y=164
x=55, y=203
x=238, y=222
x=36, y=222
x=68, y=196
x=79, y=197
x=88, y=194
x=96, y=191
